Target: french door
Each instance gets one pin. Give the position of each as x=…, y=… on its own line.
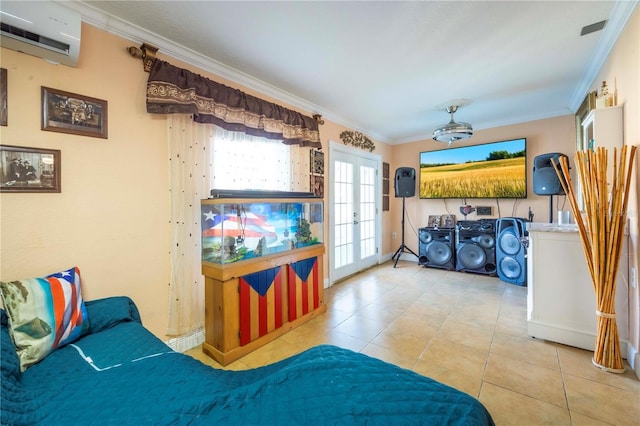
x=354, y=213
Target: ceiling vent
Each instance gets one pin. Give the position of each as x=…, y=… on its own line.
x=453, y=131
x=47, y=30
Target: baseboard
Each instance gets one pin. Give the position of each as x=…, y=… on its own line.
x=633, y=358
x=187, y=341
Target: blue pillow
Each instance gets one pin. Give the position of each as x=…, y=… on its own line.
x=107, y=312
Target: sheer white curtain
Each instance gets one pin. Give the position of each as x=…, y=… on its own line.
x=189, y=147
x=202, y=157
x=241, y=161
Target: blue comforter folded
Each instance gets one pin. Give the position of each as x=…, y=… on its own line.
x=121, y=374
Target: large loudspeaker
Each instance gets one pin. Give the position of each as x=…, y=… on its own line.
x=405, y=184
x=436, y=248
x=545, y=178
x=476, y=246
x=511, y=250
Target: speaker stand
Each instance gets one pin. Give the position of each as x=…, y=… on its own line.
x=550, y=208
x=403, y=248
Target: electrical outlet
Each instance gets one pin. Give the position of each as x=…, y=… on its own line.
x=484, y=211
x=634, y=278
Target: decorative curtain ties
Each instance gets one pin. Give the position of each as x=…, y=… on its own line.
x=173, y=90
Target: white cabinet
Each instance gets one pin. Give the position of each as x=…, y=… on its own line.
x=602, y=127
x=561, y=305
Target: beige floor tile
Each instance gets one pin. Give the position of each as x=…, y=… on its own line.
x=460, y=380
x=578, y=362
x=475, y=318
x=395, y=356
x=529, y=350
x=514, y=311
x=516, y=327
x=578, y=419
x=455, y=356
x=474, y=337
x=342, y=340
x=380, y=312
x=509, y=408
x=602, y=402
x=305, y=333
x=361, y=327
x=271, y=352
x=527, y=379
x=409, y=345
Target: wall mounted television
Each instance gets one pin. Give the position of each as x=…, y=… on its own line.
x=491, y=170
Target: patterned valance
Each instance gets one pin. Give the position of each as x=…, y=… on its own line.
x=173, y=90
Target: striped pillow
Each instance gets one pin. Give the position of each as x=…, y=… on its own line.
x=44, y=314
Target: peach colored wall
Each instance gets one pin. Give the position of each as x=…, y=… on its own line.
x=543, y=136
x=111, y=219
x=622, y=72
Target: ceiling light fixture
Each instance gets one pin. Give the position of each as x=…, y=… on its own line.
x=453, y=131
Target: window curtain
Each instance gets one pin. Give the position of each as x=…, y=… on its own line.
x=241, y=161
x=189, y=149
x=175, y=90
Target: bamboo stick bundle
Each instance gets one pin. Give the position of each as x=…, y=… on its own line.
x=601, y=227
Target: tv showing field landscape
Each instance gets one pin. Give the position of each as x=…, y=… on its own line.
x=492, y=170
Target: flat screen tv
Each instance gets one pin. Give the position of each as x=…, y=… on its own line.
x=491, y=170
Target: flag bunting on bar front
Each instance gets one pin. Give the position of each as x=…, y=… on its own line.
x=304, y=290
x=261, y=304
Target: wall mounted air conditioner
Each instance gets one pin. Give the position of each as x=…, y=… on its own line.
x=44, y=29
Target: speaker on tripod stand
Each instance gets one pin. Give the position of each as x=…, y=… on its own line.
x=404, y=186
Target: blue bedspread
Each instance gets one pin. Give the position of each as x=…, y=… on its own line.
x=121, y=374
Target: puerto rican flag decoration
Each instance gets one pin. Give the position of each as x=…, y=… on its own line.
x=261, y=304
x=304, y=293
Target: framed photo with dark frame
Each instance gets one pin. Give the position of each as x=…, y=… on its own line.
x=24, y=169
x=316, y=162
x=317, y=185
x=4, y=104
x=75, y=114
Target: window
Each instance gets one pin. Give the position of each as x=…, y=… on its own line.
x=240, y=161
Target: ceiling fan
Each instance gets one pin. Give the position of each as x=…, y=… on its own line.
x=453, y=131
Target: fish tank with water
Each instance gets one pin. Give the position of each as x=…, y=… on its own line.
x=237, y=230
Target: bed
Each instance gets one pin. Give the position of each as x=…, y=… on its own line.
x=120, y=373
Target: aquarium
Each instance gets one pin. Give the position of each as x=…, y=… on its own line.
x=236, y=230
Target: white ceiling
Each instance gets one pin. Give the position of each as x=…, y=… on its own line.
x=387, y=68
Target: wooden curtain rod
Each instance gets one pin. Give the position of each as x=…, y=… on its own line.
x=146, y=52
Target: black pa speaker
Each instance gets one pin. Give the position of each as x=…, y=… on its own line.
x=545, y=178
x=511, y=250
x=476, y=246
x=436, y=248
x=405, y=184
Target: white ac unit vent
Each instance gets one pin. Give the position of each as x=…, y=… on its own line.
x=44, y=29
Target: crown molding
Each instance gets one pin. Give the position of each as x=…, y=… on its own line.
x=622, y=11
x=136, y=34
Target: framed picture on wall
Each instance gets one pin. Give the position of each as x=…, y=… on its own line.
x=317, y=185
x=24, y=169
x=4, y=107
x=317, y=162
x=74, y=114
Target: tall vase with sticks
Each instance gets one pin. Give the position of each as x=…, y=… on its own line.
x=601, y=227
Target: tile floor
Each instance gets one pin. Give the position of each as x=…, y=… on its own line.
x=468, y=331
